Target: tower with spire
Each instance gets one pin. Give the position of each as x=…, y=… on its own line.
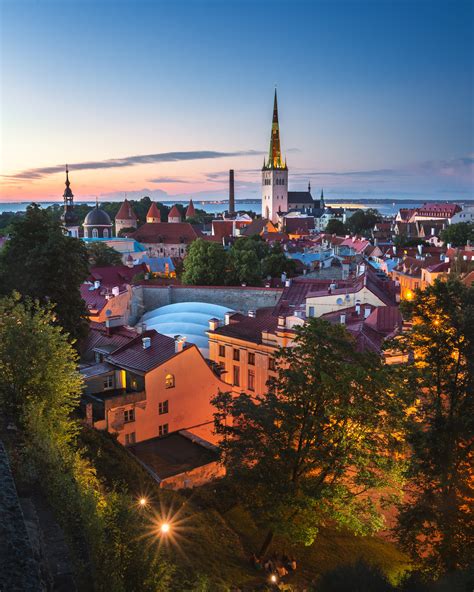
x=274, y=174
x=69, y=218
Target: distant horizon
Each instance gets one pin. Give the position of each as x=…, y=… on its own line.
x=375, y=98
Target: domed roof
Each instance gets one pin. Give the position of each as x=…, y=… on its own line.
x=69, y=217
x=97, y=217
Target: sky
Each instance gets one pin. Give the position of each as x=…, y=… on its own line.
x=376, y=98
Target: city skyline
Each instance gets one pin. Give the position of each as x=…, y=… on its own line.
x=375, y=101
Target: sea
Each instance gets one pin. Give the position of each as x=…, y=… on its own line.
x=385, y=207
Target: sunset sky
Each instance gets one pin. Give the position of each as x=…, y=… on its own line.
x=376, y=98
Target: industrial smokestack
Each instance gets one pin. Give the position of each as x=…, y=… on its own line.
x=231, y=192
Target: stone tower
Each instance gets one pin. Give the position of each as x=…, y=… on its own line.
x=274, y=175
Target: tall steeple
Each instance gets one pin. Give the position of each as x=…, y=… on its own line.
x=274, y=154
x=69, y=218
x=274, y=175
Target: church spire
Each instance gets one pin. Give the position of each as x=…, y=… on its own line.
x=274, y=153
x=68, y=192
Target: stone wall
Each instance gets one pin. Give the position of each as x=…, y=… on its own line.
x=19, y=570
x=238, y=298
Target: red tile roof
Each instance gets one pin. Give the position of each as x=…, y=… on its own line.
x=153, y=212
x=116, y=275
x=126, y=212
x=249, y=328
x=163, y=232
x=222, y=228
x=106, y=339
x=174, y=213
x=134, y=356
x=439, y=210
x=299, y=226
x=190, y=211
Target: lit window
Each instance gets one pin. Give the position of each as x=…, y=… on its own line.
x=169, y=381
x=163, y=429
x=130, y=438
x=109, y=382
x=129, y=415
x=236, y=376
x=251, y=359
x=251, y=380
x=271, y=364
x=222, y=351
x=163, y=407
x=236, y=355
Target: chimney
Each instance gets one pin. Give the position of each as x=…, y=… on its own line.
x=146, y=342
x=432, y=231
x=343, y=319
x=366, y=312
x=281, y=321
x=231, y=192
x=420, y=249
x=179, y=343
x=287, y=283
x=115, y=291
x=252, y=314
x=213, y=324
x=96, y=285
x=227, y=316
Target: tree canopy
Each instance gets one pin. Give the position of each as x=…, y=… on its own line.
x=249, y=261
x=305, y=454
x=335, y=226
x=435, y=523
x=457, y=235
x=362, y=221
x=41, y=262
x=101, y=255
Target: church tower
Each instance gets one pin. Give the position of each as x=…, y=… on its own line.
x=274, y=175
x=69, y=219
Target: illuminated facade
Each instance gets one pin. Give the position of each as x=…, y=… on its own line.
x=274, y=175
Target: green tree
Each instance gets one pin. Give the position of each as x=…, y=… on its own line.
x=276, y=263
x=307, y=454
x=101, y=255
x=245, y=259
x=362, y=221
x=435, y=524
x=125, y=231
x=205, y=264
x=335, y=226
x=41, y=262
x=458, y=234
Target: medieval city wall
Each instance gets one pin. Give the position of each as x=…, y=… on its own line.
x=238, y=298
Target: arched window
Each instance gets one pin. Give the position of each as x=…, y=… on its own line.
x=169, y=381
x=106, y=233
x=95, y=233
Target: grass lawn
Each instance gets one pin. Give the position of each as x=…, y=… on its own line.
x=216, y=541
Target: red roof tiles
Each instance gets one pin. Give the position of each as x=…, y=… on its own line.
x=162, y=232
x=153, y=213
x=126, y=212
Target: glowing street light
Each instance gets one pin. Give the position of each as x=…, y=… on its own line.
x=165, y=528
x=273, y=579
x=142, y=502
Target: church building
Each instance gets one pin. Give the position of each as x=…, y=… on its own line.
x=276, y=199
x=69, y=218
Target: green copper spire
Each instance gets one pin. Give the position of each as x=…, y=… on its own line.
x=274, y=154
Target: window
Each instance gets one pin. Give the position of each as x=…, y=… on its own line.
x=163, y=407
x=222, y=351
x=237, y=355
x=311, y=311
x=236, y=376
x=251, y=380
x=251, y=359
x=105, y=234
x=98, y=357
x=169, y=381
x=95, y=233
x=271, y=364
x=129, y=415
x=130, y=438
x=163, y=429
x=109, y=382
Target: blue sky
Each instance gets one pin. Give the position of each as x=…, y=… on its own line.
x=376, y=98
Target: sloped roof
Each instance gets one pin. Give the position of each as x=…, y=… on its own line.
x=222, y=228
x=174, y=213
x=190, y=211
x=116, y=275
x=163, y=232
x=99, y=337
x=153, y=211
x=299, y=225
x=134, y=356
x=126, y=211
x=249, y=328
x=257, y=227
x=300, y=197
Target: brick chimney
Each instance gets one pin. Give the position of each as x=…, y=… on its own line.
x=231, y=192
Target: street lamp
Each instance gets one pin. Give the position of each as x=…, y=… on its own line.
x=165, y=528
x=142, y=502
